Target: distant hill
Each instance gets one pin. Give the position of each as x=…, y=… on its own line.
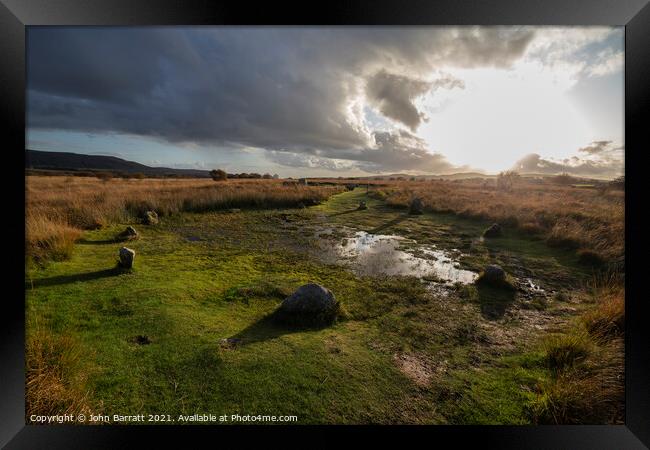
x=36, y=159
x=452, y=176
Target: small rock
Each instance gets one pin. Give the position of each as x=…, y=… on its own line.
x=362, y=205
x=417, y=206
x=127, y=256
x=310, y=305
x=229, y=342
x=129, y=233
x=493, y=231
x=150, y=218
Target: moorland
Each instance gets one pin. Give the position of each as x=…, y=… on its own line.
x=419, y=338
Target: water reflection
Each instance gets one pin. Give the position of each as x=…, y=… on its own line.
x=378, y=254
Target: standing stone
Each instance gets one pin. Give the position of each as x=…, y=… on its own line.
x=494, y=274
x=310, y=305
x=493, y=231
x=150, y=218
x=417, y=206
x=127, y=256
x=303, y=181
x=129, y=233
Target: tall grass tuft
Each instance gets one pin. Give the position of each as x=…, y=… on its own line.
x=565, y=351
x=55, y=384
x=586, y=383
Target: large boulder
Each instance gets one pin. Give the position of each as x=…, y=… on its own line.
x=417, y=206
x=493, y=231
x=494, y=275
x=128, y=234
x=127, y=256
x=310, y=305
x=150, y=218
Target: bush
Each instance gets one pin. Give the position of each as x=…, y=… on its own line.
x=218, y=175
x=507, y=180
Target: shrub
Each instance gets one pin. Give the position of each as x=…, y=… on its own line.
x=507, y=180
x=218, y=175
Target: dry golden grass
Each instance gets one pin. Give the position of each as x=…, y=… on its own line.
x=588, y=384
x=592, y=394
x=58, y=208
x=54, y=382
x=585, y=219
x=607, y=319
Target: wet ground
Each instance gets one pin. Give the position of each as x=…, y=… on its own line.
x=379, y=254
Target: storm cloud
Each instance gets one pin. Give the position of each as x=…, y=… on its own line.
x=394, y=94
x=285, y=90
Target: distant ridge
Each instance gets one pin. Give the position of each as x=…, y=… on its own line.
x=37, y=159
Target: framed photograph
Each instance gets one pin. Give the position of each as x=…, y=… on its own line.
x=368, y=217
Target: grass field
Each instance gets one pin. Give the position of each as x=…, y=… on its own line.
x=150, y=340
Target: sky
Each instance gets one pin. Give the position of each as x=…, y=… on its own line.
x=333, y=101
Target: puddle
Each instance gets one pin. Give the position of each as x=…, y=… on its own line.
x=377, y=254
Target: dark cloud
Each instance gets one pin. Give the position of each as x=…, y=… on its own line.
x=393, y=95
x=607, y=166
x=599, y=147
x=281, y=89
x=392, y=151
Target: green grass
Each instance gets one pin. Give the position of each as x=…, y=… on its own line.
x=200, y=278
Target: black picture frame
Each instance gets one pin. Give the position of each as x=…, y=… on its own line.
x=16, y=15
